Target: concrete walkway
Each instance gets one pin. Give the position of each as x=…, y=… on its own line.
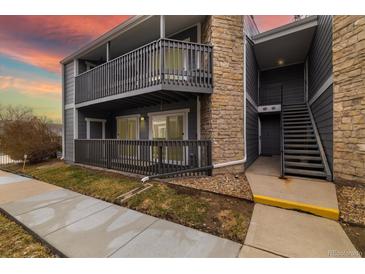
x=276, y=232
x=81, y=226
x=309, y=195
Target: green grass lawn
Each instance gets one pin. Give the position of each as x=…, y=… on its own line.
x=213, y=213
x=99, y=184
x=15, y=242
x=221, y=215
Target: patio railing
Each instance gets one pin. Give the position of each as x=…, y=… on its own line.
x=147, y=157
x=172, y=63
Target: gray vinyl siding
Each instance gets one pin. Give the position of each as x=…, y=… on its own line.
x=251, y=72
x=252, y=134
x=69, y=134
x=292, y=80
x=252, y=141
x=69, y=84
x=111, y=126
x=319, y=70
x=81, y=125
x=322, y=110
x=320, y=55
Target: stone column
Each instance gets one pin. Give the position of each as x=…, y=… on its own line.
x=349, y=99
x=222, y=112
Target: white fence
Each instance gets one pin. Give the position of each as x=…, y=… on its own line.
x=5, y=160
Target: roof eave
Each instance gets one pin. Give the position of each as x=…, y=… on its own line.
x=103, y=39
x=286, y=29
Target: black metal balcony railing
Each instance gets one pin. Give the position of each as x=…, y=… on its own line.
x=162, y=62
x=146, y=157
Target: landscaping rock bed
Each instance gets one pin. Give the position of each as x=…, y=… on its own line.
x=232, y=185
x=351, y=201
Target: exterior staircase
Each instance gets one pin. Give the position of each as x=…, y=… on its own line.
x=303, y=154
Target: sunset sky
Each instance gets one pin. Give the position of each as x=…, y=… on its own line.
x=31, y=48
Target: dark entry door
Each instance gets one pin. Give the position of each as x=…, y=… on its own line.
x=270, y=135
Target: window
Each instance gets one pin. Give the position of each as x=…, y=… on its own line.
x=169, y=125
x=128, y=129
x=95, y=128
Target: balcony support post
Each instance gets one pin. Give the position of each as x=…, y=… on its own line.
x=108, y=51
x=162, y=26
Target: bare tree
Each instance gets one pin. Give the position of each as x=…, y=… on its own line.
x=22, y=133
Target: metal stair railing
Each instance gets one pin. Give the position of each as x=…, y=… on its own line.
x=320, y=146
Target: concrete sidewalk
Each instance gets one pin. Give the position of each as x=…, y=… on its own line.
x=276, y=232
x=81, y=226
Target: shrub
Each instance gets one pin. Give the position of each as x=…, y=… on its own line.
x=30, y=135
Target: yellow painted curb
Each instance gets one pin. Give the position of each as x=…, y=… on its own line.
x=329, y=213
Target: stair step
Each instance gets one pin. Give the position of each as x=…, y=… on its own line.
x=302, y=158
x=285, y=119
x=303, y=164
x=297, y=127
x=297, y=171
x=295, y=106
x=294, y=131
x=303, y=146
x=296, y=109
x=289, y=140
x=301, y=151
x=290, y=116
x=297, y=122
x=298, y=136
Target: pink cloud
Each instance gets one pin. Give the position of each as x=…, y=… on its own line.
x=31, y=87
x=268, y=22
x=43, y=41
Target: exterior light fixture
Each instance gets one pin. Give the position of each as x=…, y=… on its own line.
x=142, y=118
x=280, y=62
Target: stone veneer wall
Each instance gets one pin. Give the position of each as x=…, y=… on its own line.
x=222, y=112
x=349, y=98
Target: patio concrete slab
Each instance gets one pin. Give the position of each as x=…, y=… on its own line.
x=12, y=178
x=24, y=189
x=58, y=215
x=100, y=234
x=266, y=165
x=37, y=201
x=294, y=234
x=309, y=195
x=167, y=239
x=251, y=252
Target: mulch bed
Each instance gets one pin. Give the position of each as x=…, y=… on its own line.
x=228, y=184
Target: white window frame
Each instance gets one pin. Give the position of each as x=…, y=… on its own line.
x=137, y=116
x=88, y=120
x=185, y=114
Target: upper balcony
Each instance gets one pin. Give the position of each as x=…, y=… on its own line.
x=164, y=64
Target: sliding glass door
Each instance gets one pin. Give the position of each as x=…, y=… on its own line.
x=169, y=127
x=128, y=129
